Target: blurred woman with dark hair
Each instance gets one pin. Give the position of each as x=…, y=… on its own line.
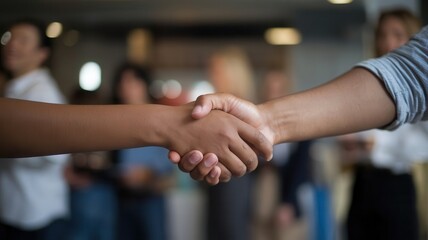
x=145, y=174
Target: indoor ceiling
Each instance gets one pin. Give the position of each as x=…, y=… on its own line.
x=316, y=17
x=174, y=12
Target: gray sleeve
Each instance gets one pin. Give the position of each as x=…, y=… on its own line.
x=405, y=74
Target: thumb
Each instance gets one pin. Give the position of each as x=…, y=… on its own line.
x=205, y=103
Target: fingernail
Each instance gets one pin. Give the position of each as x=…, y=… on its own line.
x=197, y=109
x=210, y=161
x=194, y=158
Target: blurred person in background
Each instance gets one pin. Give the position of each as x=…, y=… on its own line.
x=278, y=209
x=383, y=203
x=229, y=215
x=145, y=174
x=90, y=175
x=33, y=192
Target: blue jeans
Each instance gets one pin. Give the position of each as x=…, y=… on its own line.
x=143, y=219
x=93, y=213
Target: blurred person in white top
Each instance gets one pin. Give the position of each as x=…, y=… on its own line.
x=393, y=149
x=33, y=193
x=383, y=204
x=398, y=150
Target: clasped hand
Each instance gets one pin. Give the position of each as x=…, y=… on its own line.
x=211, y=168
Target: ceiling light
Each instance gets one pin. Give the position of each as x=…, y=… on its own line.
x=54, y=30
x=340, y=1
x=90, y=76
x=282, y=36
x=5, y=38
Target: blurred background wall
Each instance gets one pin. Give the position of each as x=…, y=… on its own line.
x=184, y=33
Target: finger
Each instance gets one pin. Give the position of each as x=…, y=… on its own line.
x=257, y=141
x=174, y=157
x=213, y=178
x=240, y=108
x=225, y=174
x=190, y=161
x=209, y=161
x=205, y=103
x=203, y=106
x=246, y=155
x=233, y=164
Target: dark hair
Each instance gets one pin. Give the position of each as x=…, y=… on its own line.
x=142, y=73
x=80, y=96
x=44, y=41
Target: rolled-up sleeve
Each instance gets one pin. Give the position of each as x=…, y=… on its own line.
x=405, y=75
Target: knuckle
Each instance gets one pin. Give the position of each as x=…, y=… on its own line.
x=183, y=168
x=240, y=171
x=225, y=176
x=201, y=99
x=223, y=132
x=260, y=137
x=252, y=164
x=226, y=135
x=263, y=145
x=248, y=161
x=210, y=181
x=196, y=175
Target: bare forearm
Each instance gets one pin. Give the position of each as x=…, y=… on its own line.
x=353, y=102
x=29, y=128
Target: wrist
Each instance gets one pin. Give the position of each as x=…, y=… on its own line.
x=280, y=118
x=157, y=121
x=269, y=128
x=171, y=121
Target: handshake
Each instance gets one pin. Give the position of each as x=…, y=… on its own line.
x=241, y=130
x=242, y=134
x=226, y=136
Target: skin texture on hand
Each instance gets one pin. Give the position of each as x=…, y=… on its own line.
x=229, y=138
x=33, y=129
x=354, y=101
x=195, y=163
x=244, y=110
